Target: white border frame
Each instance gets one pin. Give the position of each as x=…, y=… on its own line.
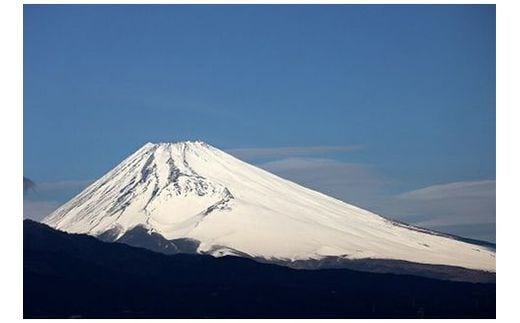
x=508, y=132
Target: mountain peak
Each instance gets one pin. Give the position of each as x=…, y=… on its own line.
x=190, y=190
x=194, y=143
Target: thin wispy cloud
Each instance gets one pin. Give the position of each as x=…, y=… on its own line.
x=467, y=208
x=351, y=182
x=27, y=184
x=284, y=152
x=483, y=189
x=45, y=197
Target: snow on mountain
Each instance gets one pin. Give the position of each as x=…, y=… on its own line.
x=190, y=190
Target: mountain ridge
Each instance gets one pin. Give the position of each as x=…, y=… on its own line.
x=78, y=276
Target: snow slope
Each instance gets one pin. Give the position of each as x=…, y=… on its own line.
x=193, y=190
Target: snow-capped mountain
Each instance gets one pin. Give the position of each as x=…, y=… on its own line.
x=193, y=191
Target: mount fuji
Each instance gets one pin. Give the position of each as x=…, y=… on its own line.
x=192, y=197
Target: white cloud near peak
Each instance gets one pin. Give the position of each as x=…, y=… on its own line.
x=284, y=152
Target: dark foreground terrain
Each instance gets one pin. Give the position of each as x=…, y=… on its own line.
x=68, y=275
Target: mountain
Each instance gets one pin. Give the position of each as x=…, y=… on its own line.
x=190, y=196
x=76, y=275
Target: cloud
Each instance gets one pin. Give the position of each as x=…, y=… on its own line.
x=476, y=189
x=462, y=206
x=46, y=197
x=37, y=210
x=27, y=184
x=356, y=183
x=283, y=152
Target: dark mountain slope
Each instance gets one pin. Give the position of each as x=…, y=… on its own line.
x=68, y=275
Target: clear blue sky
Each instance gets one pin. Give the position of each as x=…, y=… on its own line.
x=413, y=85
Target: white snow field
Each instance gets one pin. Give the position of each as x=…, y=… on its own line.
x=193, y=190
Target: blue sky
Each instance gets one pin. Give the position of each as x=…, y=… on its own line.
x=405, y=94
